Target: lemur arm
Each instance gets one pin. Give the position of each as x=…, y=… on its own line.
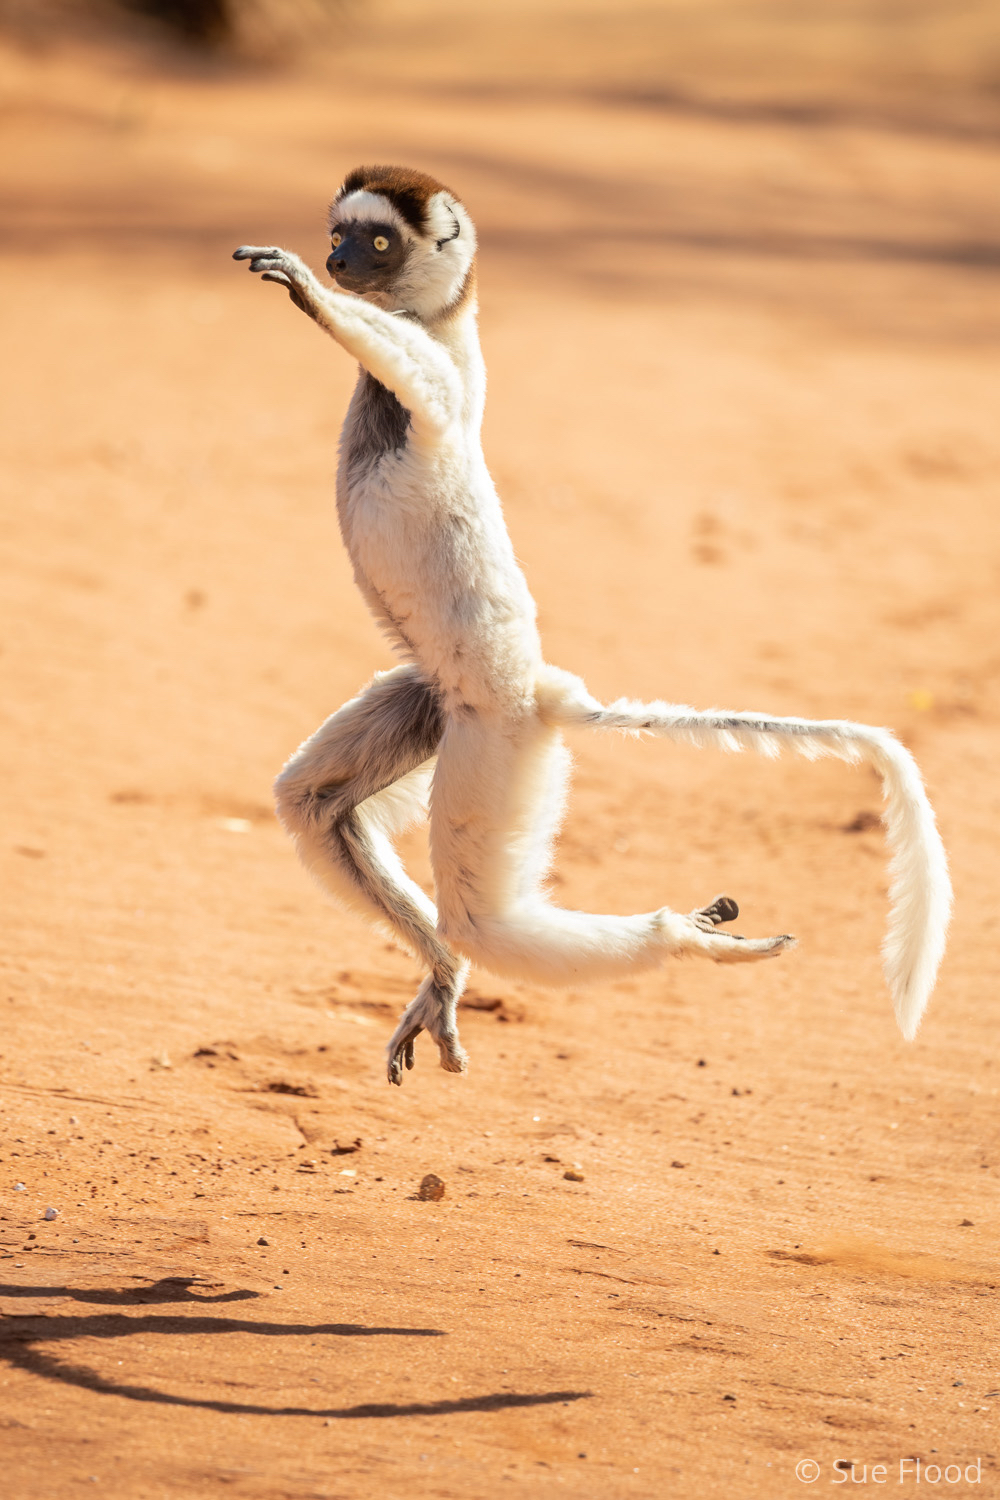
x=399, y=353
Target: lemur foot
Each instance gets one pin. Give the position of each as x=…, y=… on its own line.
x=400, y=1054
x=729, y=947
x=428, y=1012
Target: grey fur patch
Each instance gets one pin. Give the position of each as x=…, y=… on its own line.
x=395, y=727
x=378, y=425
x=762, y=726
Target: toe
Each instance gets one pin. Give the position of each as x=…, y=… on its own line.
x=729, y=948
x=453, y=1055
x=722, y=909
x=725, y=909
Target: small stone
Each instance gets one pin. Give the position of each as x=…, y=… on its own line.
x=431, y=1189
x=19, y=1187
x=263, y=1241
x=50, y=1214
x=677, y=1164
x=338, y=1150
x=967, y=1224
x=73, y=1120
x=572, y=1175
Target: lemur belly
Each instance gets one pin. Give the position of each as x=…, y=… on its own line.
x=426, y=536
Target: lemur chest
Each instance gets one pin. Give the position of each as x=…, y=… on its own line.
x=403, y=505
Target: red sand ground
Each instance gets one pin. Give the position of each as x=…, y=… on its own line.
x=743, y=412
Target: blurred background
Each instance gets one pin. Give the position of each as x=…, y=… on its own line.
x=725, y=139
x=921, y=61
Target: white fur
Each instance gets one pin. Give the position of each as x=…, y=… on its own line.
x=426, y=534
x=920, y=894
x=362, y=207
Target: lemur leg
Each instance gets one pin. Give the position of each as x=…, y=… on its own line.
x=361, y=778
x=496, y=804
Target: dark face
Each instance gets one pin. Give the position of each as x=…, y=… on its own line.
x=365, y=257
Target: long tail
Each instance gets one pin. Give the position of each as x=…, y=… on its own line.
x=920, y=891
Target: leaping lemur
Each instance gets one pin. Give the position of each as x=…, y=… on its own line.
x=474, y=715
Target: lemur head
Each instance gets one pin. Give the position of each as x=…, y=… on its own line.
x=402, y=240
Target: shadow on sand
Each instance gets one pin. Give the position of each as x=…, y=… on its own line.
x=21, y=1336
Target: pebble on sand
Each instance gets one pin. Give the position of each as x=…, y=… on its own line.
x=572, y=1175
x=50, y=1214
x=431, y=1189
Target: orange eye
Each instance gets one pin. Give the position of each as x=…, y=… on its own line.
x=335, y=240
x=380, y=242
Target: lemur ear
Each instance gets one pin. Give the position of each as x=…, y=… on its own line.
x=454, y=235
x=446, y=221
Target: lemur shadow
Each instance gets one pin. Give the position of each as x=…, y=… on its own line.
x=20, y=1338
x=168, y=1289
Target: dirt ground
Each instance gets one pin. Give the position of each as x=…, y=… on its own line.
x=741, y=333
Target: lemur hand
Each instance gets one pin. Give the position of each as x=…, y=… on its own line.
x=279, y=266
